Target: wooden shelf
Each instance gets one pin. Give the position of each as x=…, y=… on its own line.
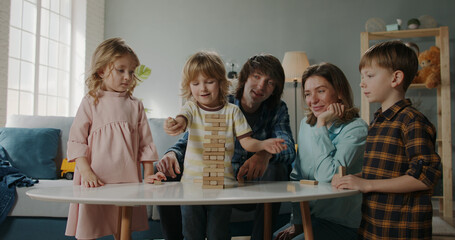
x=419, y=86
x=427, y=32
x=444, y=126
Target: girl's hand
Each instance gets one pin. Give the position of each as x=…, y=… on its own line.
x=155, y=177
x=290, y=232
x=334, y=111
x=274, y=145
x=89, y=179
x=175, y=126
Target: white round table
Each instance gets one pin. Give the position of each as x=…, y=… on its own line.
x=178, y=193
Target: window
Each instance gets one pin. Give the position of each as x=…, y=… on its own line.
x=39, y=57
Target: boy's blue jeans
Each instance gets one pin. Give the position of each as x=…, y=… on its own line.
x=211, y=221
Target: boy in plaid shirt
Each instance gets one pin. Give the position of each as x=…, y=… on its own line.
x=400, y=166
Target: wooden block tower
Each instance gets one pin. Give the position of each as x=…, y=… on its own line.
x=214, y=151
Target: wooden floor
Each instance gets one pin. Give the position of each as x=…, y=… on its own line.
x=449, y=221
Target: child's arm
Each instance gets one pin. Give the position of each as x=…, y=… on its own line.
x=175, y=126
x=88, y=177
x=402, y=184
x=271, y=145
x=149, y=177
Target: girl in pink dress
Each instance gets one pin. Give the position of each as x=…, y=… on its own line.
x=109, y=138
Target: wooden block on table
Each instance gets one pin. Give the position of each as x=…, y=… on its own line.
x=157, y=182
x=212, y=178
x=210, y=128
x=197, y=180
x=210, y=153
x=211, y=162
x=309, y=182
x=223, y=124
x=213, y=186
x=213, y=145
x=214, y=120
x=215, y=124
x=341, y=171
x=211, y=116
x=214, y=136
x=220, y=157
x=213, y=170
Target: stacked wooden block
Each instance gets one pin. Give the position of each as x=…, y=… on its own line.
x=214, y=151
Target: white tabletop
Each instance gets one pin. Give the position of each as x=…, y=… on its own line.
x=177, y=193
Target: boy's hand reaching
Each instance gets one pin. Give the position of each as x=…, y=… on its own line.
x=155, y=177
x=175, y=126
x=274, y=145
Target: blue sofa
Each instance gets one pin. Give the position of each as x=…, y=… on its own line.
x=32, y=219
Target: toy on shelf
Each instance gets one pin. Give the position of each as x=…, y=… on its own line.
x=430, y=72
x=214, y=151
x=67, y=169
x=413, y=23
x=394, y=26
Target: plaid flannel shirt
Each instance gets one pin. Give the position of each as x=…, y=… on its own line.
x=273, y=123
x=401, y=141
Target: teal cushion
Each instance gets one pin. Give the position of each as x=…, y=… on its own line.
x=32, y=150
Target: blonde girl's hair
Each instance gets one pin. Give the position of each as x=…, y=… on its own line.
x=210, y=65
x=104, y=56
x=340, y=83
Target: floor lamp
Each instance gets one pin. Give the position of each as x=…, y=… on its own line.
x=294, y=64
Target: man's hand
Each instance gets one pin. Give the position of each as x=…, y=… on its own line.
x=175, y=126
x=255, y=166
x=169, y=165
x=290, y=232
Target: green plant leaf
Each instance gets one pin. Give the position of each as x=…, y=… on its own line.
x=142, y=72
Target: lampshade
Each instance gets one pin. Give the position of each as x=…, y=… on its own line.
x=294, y=64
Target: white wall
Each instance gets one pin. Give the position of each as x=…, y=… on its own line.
x=165, y=32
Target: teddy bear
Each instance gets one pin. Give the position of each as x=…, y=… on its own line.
x=430, y=72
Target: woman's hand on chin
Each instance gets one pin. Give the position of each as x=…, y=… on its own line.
x=334, y=111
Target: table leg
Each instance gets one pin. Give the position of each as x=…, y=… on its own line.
x=267, y=221
x=306, y=220
x=125, y=232
x=119, y=224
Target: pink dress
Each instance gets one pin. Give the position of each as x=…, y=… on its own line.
x=115, y=137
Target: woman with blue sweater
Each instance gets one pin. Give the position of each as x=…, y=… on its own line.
x=331, y=135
